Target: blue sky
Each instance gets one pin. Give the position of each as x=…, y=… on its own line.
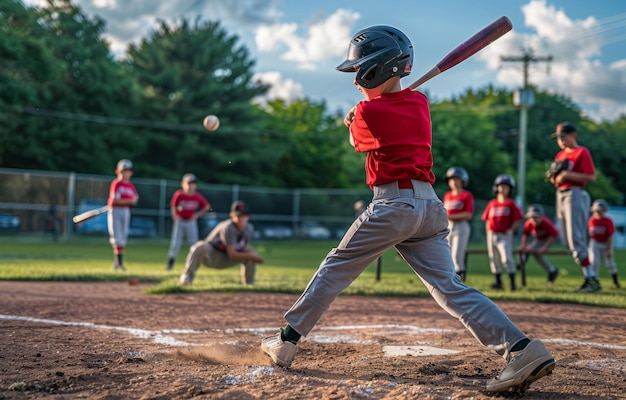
x=297, y=44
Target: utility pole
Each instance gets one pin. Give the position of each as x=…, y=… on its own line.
x=524, y=99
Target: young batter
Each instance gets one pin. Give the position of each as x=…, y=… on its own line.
x=502, y=216
x=186, y=206
x=572, y=200
x=122, y=195
x=601, y=230
x=459, y=204
x=393, y=127
x=538, y=234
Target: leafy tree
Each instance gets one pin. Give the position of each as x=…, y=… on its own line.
x=312, y=148
x=188, y=71
x=62, y=65
x=466, y=136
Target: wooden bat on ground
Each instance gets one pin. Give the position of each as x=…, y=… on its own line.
x=468, y=48
x=89, y=214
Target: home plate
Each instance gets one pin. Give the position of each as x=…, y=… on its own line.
x=395, y=351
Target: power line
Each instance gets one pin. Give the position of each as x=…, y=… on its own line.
x=527, y=58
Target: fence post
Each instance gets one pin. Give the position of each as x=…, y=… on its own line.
x=235, y=192
x=162, y=206
x=71, y=194
x=295, y=213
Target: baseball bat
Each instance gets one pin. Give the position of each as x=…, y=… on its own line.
x=468, y=48
x=89, y=214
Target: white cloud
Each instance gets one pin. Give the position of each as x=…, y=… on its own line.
x=574, y=71
x=104, y=3
x=324, y=39
x=285, y=89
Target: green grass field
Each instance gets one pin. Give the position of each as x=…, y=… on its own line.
x=288, y=267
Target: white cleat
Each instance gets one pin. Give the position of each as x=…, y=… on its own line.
x=528, y=365
x=282, y=353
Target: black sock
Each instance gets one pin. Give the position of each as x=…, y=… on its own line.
x=290, y=335
x=119, y=259
x=170, y=263
x=521, y=345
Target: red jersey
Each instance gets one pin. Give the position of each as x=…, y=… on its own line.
x=121, y=190
x=501, y=216
x=579, y=161
x=543, y=230
x=395, y=131
x=600, y=228
x=187, y=204
x=457, y=203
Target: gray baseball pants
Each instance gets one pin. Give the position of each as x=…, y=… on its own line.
x=572, y=211
x=415, y=223
x=500, y=251
x=204, y=253
x=118, y=220
x=183, y=229
x=458, y=238
x=535, y=245
x=597, y=251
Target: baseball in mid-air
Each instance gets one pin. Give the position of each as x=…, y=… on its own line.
x=211, y=122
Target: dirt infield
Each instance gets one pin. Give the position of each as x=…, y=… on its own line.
x=111, y=341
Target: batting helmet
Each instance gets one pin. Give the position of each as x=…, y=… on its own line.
x=503, y=179
x=458, y=172
x=534, y=210
x=600, y=205
x=378, y=53
x=124, y=164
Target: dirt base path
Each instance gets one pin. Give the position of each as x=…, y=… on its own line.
x=111, y=341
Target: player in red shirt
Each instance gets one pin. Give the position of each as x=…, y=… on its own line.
x=122, y=195
x=393, y=127
x=601, y=230
x=186, y=206
x=459, y=204
x=538, y=234
x=572, y=200
x=502, y=216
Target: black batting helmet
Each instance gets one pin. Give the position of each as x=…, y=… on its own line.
x=378, y=53
x=458, y=172
x=503, y=179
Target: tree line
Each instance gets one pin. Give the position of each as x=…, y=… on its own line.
x=66, y=104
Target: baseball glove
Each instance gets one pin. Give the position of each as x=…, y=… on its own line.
x=556, y=168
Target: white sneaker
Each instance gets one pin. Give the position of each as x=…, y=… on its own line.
x=282, y=353
x=118, y=267
x=528, y=365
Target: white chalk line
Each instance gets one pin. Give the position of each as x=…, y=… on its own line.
x=163, y=336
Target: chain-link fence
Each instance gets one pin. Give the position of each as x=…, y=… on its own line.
x=43, y=203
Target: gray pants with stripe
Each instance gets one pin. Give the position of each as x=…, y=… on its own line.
x=535, y=245
x=500, y=250
x=203, y=252
x=183, y=229
x=458, y=239
x=118, y=222
x=415, y=223
x=572, y=211
x=597, y=252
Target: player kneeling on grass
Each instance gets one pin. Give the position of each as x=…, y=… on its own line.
x=538, y=234
x=601, y=229
x=393, y=127
x=228, y=244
